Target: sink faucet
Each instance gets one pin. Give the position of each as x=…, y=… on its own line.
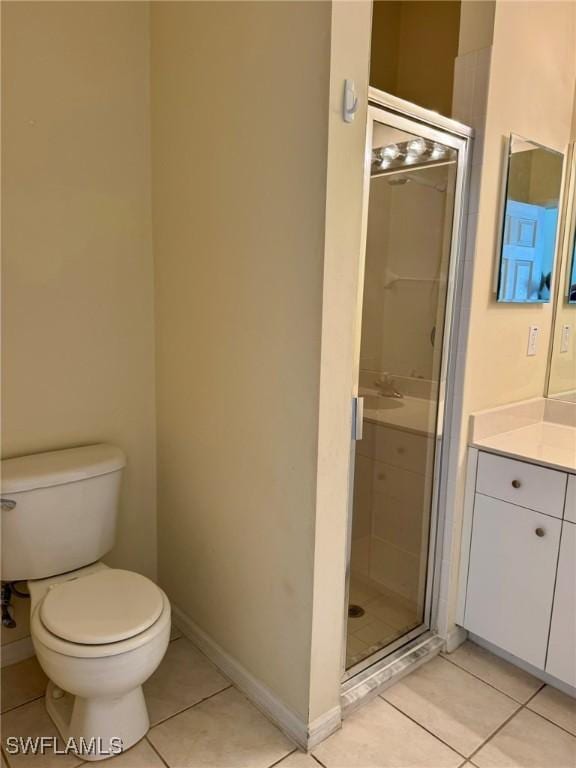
x=387, y=387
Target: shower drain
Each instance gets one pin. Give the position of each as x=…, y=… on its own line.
x=355, y=611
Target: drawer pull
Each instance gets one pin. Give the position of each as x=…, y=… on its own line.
x=540, y=532
x=7, y=504
x=516, y=483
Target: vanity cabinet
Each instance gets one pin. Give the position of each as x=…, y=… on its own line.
x=561, y=661
x=511, y=578
x=570, y=508
x=520, y=562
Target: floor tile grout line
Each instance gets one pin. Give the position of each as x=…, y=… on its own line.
x=284, y=757
x=548, y=720
x=23, y=704
x=153, y=748
x=313, y=756
x=486, y=681
x=203, y=653
x=434, y=735
x=552, y=722
x=191, y=706
x=505, y=723
x=231, y=684
x=481, y=679
x=523, y=704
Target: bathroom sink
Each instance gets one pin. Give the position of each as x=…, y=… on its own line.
x=379, y=403
x=388, y=403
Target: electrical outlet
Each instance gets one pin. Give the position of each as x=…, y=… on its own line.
x=565, y=338
x=532, y=340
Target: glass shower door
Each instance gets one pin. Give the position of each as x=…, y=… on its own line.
x=402, y=360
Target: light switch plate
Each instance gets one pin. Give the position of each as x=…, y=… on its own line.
x=532, y=340
x=565, y=338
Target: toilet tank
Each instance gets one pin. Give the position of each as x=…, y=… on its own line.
x=59, y=510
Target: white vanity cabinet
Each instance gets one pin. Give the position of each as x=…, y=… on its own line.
x=561, y=661
x=519, y=564
x=570, y=508
x=511, y=578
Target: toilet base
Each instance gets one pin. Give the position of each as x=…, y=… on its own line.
x=96, y=729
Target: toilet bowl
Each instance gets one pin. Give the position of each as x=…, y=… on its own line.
x=99, y=633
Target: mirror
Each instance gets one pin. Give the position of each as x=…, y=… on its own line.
x=530, y=222
x=562, y=366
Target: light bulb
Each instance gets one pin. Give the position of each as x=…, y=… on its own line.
x=438, y=151
x=417, y=146
x=391, y=152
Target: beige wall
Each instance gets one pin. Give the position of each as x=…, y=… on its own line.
x=349, y=58
x=476, y=25
x=78, y=339
x=414, y=44
x=240, y=120
x=531, y=91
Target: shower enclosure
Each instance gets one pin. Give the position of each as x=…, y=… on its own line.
x=414, y=185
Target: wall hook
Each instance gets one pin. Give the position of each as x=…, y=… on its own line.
x=350, y=101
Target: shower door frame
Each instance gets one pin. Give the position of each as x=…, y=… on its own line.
x=403, y=115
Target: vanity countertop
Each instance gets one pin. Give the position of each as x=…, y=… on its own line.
x=525, y=431
x=552, y=445
x=410, y=414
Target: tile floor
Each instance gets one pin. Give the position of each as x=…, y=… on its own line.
x=467, y=709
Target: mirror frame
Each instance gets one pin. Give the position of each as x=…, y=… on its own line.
x=502, y=219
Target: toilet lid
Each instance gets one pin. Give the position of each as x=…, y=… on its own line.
x=104, y=607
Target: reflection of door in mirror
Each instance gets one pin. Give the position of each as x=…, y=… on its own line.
x=562, y=368
x=529, y=235
x=533, y=182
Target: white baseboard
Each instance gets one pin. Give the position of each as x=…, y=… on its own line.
x=306, y=735
x=455, y=637
x=323, y=726
x=18, y=650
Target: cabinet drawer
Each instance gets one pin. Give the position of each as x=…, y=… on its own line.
x=403, y=449
x=511, y=577
x=521, y=483
x=570, y=508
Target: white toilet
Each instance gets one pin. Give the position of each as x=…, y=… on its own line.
x=98, y=632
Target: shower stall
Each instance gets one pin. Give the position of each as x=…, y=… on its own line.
x=415, y=181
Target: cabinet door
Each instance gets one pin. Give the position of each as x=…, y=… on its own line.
x=570, y=506
x=561, y=661
x=511, y=577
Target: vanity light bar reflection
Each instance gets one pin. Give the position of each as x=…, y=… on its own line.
x=412, y=154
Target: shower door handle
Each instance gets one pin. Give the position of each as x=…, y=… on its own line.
x=357, y=417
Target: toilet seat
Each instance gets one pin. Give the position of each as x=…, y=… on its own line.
x=42, y=637
x=108, y=606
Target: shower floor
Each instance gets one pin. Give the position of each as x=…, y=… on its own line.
x=385, y=618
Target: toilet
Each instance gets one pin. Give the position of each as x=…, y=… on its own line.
x=98, y=632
